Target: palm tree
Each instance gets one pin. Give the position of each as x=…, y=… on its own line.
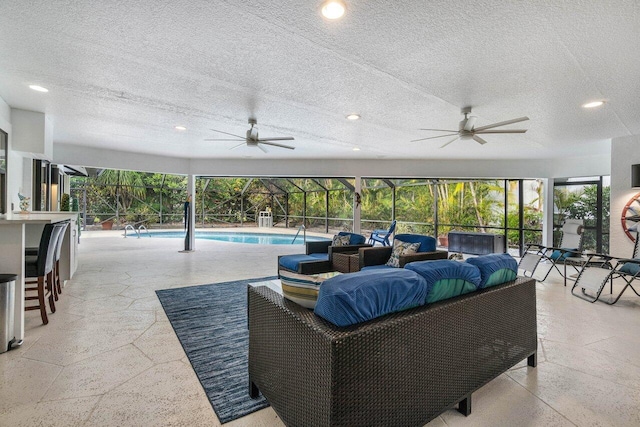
x=125, y=186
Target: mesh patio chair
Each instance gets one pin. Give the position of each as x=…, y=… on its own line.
x=570, y=246
x=594, y=277
x=382, y=236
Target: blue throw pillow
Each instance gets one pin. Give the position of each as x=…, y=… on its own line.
x=357, y=297
x=561, y=256
x=630, y=268
x=495, y=269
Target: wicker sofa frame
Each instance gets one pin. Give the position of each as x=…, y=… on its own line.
x=403, y=369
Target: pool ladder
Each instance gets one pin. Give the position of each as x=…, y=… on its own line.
x=139, y=230
x=304, y=229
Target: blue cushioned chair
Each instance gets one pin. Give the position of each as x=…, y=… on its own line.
x=377, y=256
x=382, y=236
x=318, y=255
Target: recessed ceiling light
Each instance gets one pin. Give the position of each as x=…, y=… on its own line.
x=333, y=9
x=39, y=88
x=180, y=128
x=593, y=104
x=356, y=149
x=353, y=116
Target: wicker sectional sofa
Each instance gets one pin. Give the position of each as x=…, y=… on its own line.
x=403, y=369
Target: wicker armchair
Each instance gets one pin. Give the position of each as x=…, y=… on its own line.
x=379, y=255
x=403, y=369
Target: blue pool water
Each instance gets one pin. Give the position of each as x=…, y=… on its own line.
x=239, y=237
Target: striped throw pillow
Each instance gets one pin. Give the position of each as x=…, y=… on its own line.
x=301, y=288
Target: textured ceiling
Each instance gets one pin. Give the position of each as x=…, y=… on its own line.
x=122, y=74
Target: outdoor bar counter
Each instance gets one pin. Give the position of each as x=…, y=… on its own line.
x=19, y=231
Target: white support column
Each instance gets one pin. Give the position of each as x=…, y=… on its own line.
x=191, y=190
x=547, y=222
x=357, y=206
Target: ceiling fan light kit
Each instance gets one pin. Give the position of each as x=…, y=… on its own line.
x=252, y=139
x=467, y=129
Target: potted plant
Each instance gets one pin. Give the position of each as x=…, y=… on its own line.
x=107, y=224
x=443, y=240
x=64, y=202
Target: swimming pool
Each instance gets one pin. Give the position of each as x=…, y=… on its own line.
x=238, y=237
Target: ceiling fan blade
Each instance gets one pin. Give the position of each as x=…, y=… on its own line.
x=478, y=139
x=434, y=137
x=227, y=140
x=264, y=150
x=471, y=121
x=281, y=138
x=237, y=146
x=507, y=122
x=227, y=133
x=454, y=139
x=276, y=145
x=501, y=131
x=440, y=130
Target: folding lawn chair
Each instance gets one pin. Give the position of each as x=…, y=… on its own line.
x=593, y=278
x=570, y=246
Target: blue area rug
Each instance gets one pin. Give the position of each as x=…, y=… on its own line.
x=211, y=324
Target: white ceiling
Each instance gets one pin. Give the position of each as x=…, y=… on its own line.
x=122, y=74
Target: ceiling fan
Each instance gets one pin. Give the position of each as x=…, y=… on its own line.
x=467, y=129
x=253, y=140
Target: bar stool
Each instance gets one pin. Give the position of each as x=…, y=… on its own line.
x=41, y=268
x=56, y=267
x=33, y=251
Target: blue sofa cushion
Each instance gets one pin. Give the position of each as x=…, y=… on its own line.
x=377, y=267
x=354, y=239
x=446, y=278
x=495, y=269
x=291, y=262
x=427, y=243
x=357, y=297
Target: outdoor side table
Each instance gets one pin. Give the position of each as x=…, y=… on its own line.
x=346, y=262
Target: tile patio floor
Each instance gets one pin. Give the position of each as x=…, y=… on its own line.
x=109, y=357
